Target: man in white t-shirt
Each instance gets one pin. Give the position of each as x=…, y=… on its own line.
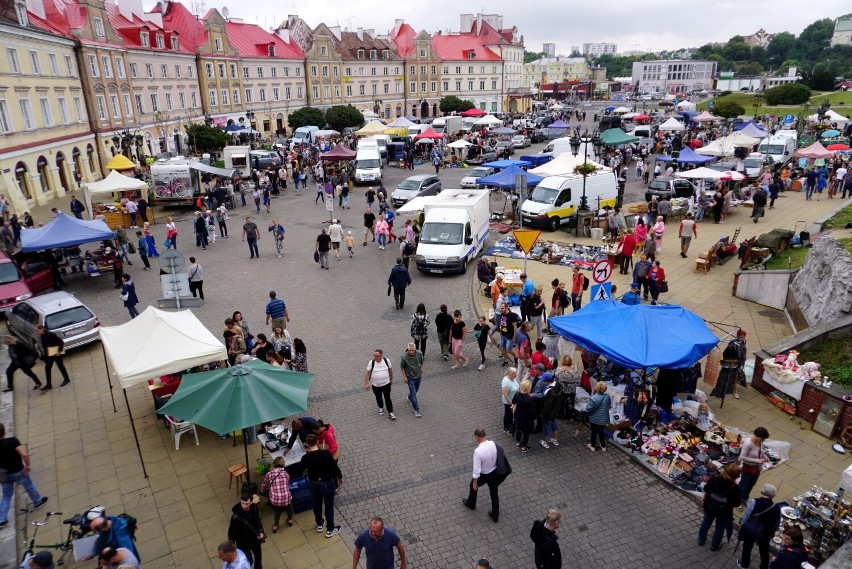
x=379, y=376
x=839, y=175
x=335, y=231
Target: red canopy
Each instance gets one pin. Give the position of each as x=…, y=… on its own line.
x=474, y=112
x=429, y=133
x=339, y=152
x=837, y=147
x=641, y=117
x=815, y=150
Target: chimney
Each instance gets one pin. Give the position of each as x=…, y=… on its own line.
x=130, y=8
x=396, y=25
x=360, y=34
x=370, y=32
x=465, y=22
x=37, y=8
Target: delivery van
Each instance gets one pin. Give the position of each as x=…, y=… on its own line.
x=780, y=148
x=304, y=135
x=454, y=230
x=556, y=198
x=562, y=145
x=368, y=165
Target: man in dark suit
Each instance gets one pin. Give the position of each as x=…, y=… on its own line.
x=53, y=350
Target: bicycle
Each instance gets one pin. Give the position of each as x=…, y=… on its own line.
x=77, y=528
x=172, y=189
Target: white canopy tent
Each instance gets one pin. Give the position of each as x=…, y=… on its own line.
x=685, y=106
x=154, y=344
x=830, y=116
x=400, y=122
x=114, y=182
x=564, y=164
x=487, y=120
x=700, y=173
x=326, y=133
x=621, y=110
x=725, y=146
x=672, y=124
x=459, y=144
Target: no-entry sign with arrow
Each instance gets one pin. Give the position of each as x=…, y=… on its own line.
x=602, y=271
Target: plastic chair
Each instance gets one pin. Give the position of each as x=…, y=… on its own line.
x=180, y=427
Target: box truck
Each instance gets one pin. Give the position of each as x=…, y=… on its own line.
x=237, y=158
x=447, y=125
x=454, y=229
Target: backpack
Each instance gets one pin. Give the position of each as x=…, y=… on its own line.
x=408, y=250
x=564, y=299
x=373, y=365
x=418, y=327
x=131, y=524
x=717, y=503
x=585, y=282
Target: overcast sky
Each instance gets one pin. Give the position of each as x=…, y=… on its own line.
x=647, y=25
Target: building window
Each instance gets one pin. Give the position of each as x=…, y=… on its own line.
x=470, y=85
x=287, y=93
x=422, y=70
x=164, y=72
x=262, y=95
x=194, y=98
x=386, y=88
x=323, y=50
x=260, y=72
x=348, y=72
x=327, y=92
x=335, y=71
x=434, y=69
x=482, y=85
x=209, y=70
x=140, y=108
x=412, y=69
x=233, y=69
x=276, y=95
x=434, y=86
x=149, y=70
x=385, y=71
x=177, y=71
x=325, y=70
x=446, y=85
x=458, y=85
x=78, y=109
x=119, y=67
x=63, y=110
x=412, y=87
x=313, y=70
x=249, y=96
x=35, y=64
x=236, y=96
x=14, y=64
x=470, y=70
x=46, y=115
x=246, y=73
x=494, y=84
x=221, y=67
x=224, y=97
x=375, y=89
x=169, y=102
x=286, y=72
x=190, y=71
x=298, y=72
x=143, y=39
x=397, y=87
x=128, y=110
x=155, y=102
x=101, y=104
x=423, y=86
x=26, y=114
x=446, y=70
x=5, y=119
x=373, y=54
x=273, y=71
x=212, y=95
x=93, y=66
x=99, y=27
x=361, y=90
x=373, y=71
x=218, y=43
x=360, y=54
x=21, y=10
x=315, y=91
x=54, y=68
x=299, y=93
x=458, y=70
x=385, y=54
x=69, y=66
x=422, y=53
x=160, y=42
x=349, y=90
x=482, y=70
x=175, y=44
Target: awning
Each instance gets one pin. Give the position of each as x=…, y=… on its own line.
x=201, y=166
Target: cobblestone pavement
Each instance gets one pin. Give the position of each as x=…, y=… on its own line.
x=413, y=472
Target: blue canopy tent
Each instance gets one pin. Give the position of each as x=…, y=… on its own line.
x=506, y=178
x=64, y=231
x=536, y=160
x=500, y=164
x=687, y=156
x=638, y=336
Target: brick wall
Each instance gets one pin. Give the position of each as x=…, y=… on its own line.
x=812, y=398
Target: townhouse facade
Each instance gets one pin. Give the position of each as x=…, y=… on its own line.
x=469, y=70
x=555, y=69
x=422, y=69
x=45, y=137
x=372, y=73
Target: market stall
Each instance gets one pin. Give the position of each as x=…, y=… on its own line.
x=114, y=183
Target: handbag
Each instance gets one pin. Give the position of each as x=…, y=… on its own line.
x=663, y=286
x=316, y=256
x=750, y=469
x=125, y=297
x=167, y=243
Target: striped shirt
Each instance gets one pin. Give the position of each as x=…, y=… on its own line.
x=275, y=308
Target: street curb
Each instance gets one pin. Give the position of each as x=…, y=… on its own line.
x=9, y=535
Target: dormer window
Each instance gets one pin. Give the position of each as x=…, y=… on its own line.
x=471, y=54
x=385, y=54
x=160, y=42
x=422, y=53
x=98, y=24
x=372, y=54
x=360, y=54
x=272, y=50
x=21, y=11
x=143, y=39
x=175, y=44
x=218, y=43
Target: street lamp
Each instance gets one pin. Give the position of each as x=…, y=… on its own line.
x=208, y=120
x=377, y=106
x=585, y=139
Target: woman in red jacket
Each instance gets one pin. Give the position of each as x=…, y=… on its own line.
x=655, y=277
x=627, y=244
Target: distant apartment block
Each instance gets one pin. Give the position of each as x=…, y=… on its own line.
x=598, y=49
x=549, y=49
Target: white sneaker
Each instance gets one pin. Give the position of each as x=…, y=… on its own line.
x=417, y=414
x=381, y=411
x=455, y=366
x=481, y=367
x=392, y=416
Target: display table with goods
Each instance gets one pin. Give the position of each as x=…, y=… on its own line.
x=114, y=215
x=825, y=518
x=552, y=253
x=276, y=437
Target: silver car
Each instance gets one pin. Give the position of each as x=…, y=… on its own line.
x=471, y=180
x=59, y=312
x=416, y=186
x=520, y=141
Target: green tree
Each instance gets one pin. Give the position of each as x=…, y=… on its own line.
x=821, y=78
x=759, y=55
x=779, y=48
x=727, y=108
x=737, y=51
x=306, y=116
x=704, y=51
x=339, y=117
x=532, y=55
x=813, y=40
x=205, y=138
x=790, y=94
x=749, y=68
x=787, y=64
x=452, y=104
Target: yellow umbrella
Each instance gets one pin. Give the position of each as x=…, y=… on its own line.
x=120, y=162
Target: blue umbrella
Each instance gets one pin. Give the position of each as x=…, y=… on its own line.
x=610, y=108
x=830, y=133
x=506, y=178
x=233, y=128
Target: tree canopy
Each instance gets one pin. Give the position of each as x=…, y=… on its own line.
x=339, y=117
x=727, y=108
x=790, y=94
x=205, y=138
x=306, y=116
x=451, y=103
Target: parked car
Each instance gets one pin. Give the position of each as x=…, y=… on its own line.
x=504, y=147
x=263, y=158
x=279, y=144
x=470, y=181
x=669, y=187
x=414, y=187
x=520, y=141
x=480, y=154
x=59, y=312
x=17, y=286
x=755, y=163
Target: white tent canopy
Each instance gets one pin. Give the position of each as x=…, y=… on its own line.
x=702, y=173
x=621, y=110
x=672, y=124
x=114, y=182
x=157, y=343
x=326, y=133
x=400, y=122
x=487, y=120
x=830, y=116
x=459, y=144
x=564, y=164
x=686, y=106
x=725, y=146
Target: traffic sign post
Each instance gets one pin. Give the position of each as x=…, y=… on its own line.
x=526, y=238
x=602, y=291
x=602, y=271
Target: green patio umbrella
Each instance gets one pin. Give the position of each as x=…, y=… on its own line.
x=238, y=397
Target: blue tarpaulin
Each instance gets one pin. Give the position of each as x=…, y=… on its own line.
x=536, y=160
x=506, y=178
x=500, y=164
x=638, y=336
x=687, y=156
x=64, y=231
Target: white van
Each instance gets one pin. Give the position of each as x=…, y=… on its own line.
x=644, y=132
x=368, y=165
x=556, y=198
x=382, y=142
x=416, y=129
x=781, y=148
x=562, y=145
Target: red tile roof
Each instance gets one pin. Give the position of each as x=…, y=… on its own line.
x=191, y=32
x=65, y=14
x=58, y=26
x=404, y=40
x=251, y=40
x=458, y=46
x=348, y=44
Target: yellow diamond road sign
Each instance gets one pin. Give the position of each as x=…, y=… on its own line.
x=526, y=238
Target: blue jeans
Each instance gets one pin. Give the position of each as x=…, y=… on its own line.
x=413, y=388
x=383, y=239
x=9, y=488
x=718, y=532
x=323, y=492
x=550, y=427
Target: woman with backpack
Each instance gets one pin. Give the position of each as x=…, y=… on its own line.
x=758, y=525
x=721, y=496
x=420, y=328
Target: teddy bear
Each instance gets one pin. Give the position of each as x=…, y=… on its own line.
x=808, y=371
x=792, y=362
